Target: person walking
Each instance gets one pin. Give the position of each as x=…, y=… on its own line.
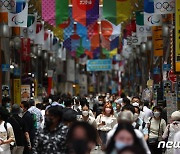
x=156, y=127
x=52, y=139
x=6, y=133
x=105, y=122
x=19, y=129
x=172, y=129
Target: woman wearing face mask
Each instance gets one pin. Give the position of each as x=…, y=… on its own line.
x=81, y=138
x=52, y=139
x=105, y=122
x=156, y=127
x=123, y=137
x=86, y=116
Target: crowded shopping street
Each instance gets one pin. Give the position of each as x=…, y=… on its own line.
x=89, y=76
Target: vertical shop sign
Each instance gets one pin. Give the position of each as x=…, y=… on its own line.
x=177, y=37
x=17, y=91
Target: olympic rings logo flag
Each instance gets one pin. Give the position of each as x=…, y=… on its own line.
x=7, y=5
x=164, y=6
x=151, y=19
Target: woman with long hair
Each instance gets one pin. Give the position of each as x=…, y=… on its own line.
x=105, y=122
x=123, y=137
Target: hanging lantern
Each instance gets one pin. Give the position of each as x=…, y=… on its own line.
x=39, y=52
x=45, y=56
x=149, y=45
x=143, y=47
x=165, y=30
x=17, y=43
x=137, y=50
x=4, y=30
x=34, y=50
x=11, y=44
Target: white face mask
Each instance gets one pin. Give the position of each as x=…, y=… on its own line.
x=85, y=113
x=120, y=145
x=136, y=104
x=136, y=116
x=157, y=114
x=100, y=102
x=108, y=110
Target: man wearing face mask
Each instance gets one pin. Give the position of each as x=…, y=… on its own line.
x=156, y=127
x=52, y=139
x=98, y=107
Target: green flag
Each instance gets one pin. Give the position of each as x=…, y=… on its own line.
x=105, y=52
x=140, y=18
x=109, y=10
x=62, y=11
x=80, y=49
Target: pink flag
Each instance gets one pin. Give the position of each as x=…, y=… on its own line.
x=48, y=11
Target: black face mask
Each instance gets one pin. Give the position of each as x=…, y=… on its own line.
x=80, y=146
x=48, y=122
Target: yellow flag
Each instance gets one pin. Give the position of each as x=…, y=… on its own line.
x=124, y=10
x=113, y=52
x=58, y=32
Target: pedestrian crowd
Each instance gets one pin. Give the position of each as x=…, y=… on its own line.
x=62, y=124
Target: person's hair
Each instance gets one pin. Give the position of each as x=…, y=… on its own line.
x=4, y=114
x=123, y=95
x=132, y=149
x=125, y=116
x=83, y=101
x=55, y=98
x=129, y=107
x=68, y=102
x=109, y=105
x=25, y=104
x=31, y=102
x=69, y=115
x=126, y=101
x=137, y=97
x=86, y=104
x=123, y=126
x=146, y=103
x=39, y=106
x=56, y=111
x=139, y=110
x=157, y=108
x=89, y=129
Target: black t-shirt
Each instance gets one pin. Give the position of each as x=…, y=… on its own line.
x=29, y=122
x=19, y=129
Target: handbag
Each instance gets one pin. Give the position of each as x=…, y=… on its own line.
x=153, y=141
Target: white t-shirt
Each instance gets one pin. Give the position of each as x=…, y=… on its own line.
x=109, y=122
x=148, y=112
x=5, y=148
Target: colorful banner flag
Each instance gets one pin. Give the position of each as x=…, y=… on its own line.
x=25, y=49
x=124, y=10
x=30, y=31
x=61, y=11
x=151, y=19
x=164, y=6
x=85, y=12
x=81, y=30
x=140, y=18
x=48, y=11
x=149, y=6
x=39, y=39
x=67, y=44
x=114, y=43
x=47, y=40
x=109, y=11
x=8, y=6
x=143, y=31
x=18, y=19
x=80, y=49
